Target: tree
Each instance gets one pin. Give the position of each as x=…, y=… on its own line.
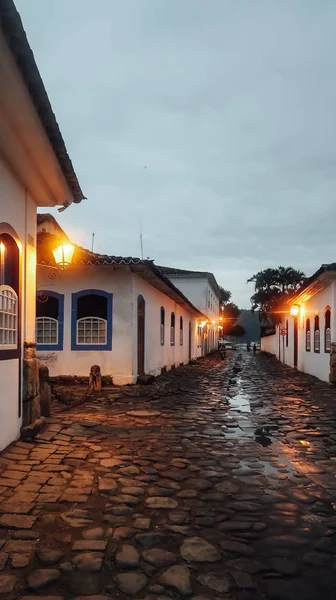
x=225, y=296
x=273, y=289
x=230, y=315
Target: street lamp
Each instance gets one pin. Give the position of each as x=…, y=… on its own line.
x=294, y=310
x=63, y=255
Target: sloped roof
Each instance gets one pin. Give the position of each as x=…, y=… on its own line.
x=15, y=36
x=174, y=272
x=317, y=282
x=85, y=258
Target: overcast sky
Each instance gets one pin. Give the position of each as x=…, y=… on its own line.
x=231, y=106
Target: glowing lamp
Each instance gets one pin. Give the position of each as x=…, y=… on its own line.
x=213, y=322
x=63, y=255
x=203, y=323
x=294, y=310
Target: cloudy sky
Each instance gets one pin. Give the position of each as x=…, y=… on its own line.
x=212, y=121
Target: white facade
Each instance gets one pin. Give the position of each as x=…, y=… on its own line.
x=121, y=361
x=204, y=296
x=311, y=353
x=30, y=176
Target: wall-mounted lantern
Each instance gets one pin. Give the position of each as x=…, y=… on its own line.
x=294, y=310
x=63, y=255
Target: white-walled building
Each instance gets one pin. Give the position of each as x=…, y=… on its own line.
x=305, y=340
x=120, y=313
x=35, y=170
x=203, y=291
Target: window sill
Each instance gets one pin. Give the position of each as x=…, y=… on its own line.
x=48, y=347
x=92, y=347
x=7, y=354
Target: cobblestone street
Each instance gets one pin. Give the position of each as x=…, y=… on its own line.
x=218, y=481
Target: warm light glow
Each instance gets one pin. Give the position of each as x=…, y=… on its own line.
x=2, y=249
x=213, y=322
x=295, y=309
x=221, y=318
x=304, y=443
x=203, y=323
x=63, y=255
x=220, y=327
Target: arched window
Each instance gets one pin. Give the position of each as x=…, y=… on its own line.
x=172, y=329
x=287, y=333
x=327, y=329
x=49, y=321
x=181, y=331
x=91, y=327
x=308, y=342
x=162, y=326
x=9, y=292
x=317, y=333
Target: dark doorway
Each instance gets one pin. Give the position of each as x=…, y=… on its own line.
x=189, y=340
x=141, y=335
x=295, y=342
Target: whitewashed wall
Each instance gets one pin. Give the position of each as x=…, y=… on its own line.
x=314, y=363
x=200, y=293
x=18, y=210
x=118, y=362
x=157, y=356
x=121, y=361
x=270, y=344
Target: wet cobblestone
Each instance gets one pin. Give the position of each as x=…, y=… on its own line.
x=218, y=481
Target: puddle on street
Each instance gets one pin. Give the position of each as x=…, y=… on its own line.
x=240, y=402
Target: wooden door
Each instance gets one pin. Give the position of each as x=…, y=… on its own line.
x=295, y=342
x=141, y=335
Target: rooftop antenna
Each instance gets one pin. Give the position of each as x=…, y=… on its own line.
x=92, y=242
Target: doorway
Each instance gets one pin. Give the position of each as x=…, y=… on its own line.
x=141, y=335
x=295, y=342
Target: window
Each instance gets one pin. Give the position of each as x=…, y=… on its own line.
x=327, y=330
x=49, y=320
x=287, y=333
x=308, y=335
x=181, y=331
x=172, y=329
x=162, y=326
x=317, y=334
x=199, y=336
x=8, y=318
x=91, y=327
x=9, y=301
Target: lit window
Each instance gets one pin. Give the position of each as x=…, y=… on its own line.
x=162, y=326
x=181, y=331
x=327, y=330
x=317, y=334
x=172, y=329
x=308, y=342
x=8, y=318
x=91, y=330
x=92, y=320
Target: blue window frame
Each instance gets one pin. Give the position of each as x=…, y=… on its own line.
x=91, y=320
x=49, y=320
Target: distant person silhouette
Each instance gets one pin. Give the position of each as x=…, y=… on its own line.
x=254, y=348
